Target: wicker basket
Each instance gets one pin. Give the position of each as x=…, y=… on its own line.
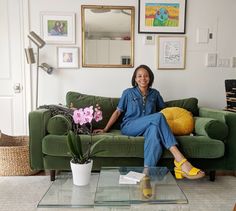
x=14, y=155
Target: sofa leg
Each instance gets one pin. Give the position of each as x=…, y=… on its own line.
x=52, y=175
x=212, y=176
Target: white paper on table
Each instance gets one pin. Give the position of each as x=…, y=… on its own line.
x=135, y=176
x=123, y=180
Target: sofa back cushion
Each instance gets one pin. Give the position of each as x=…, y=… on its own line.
x=108, y=106
x=190, y=104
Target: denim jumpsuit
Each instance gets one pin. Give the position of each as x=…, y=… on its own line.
x=142, y=118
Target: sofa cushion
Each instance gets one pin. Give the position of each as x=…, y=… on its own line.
x=108, y=106
x=190, y=104
x=212, y=128
x=59, y=125
x=115, y=145
x=199, y=147
x=180, y=120
x=118, y=145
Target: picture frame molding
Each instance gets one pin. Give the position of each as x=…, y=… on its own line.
x=162, y=30
x=57, y=39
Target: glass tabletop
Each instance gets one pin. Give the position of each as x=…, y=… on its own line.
x=63, y=193
x=164, y=188
x=104, y=189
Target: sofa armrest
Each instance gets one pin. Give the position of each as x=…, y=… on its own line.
x=210, y=127
x=229, y=118
x=37, y=130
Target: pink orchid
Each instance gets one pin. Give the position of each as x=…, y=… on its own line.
x=86, y=115
x=78, y=116
x=97, y=115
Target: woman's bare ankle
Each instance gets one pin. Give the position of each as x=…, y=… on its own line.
x=186, y=167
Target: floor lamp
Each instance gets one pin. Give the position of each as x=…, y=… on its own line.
x=39, y=42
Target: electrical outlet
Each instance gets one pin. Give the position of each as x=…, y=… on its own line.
x=233, y=61
x=226, y=62
x=219, y=62
x=223, y=62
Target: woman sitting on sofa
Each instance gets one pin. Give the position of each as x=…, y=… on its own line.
x=141, y=105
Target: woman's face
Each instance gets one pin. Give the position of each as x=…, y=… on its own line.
x=142, y=78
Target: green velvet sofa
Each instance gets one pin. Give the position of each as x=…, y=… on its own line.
x=211, y=146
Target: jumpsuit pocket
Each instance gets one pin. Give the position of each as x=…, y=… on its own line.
x=151, y=105
x=136, y=102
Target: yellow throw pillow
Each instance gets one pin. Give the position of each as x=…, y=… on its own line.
x=180, y=120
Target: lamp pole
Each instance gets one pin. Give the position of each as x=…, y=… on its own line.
x=37, y=78
x=39, y=42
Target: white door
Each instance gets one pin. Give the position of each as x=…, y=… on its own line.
x=13, y=118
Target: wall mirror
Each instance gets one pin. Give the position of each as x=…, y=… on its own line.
x=107, y=36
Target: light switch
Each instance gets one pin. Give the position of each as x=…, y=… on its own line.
x=202, y=35
x=211, y=60
x=233, y=61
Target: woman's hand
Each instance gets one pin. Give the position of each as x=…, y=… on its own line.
x=99, y=131
x=111, y=121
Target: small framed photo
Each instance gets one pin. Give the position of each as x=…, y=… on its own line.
x=57, y=27
x=162, y=16
x=171, y=52
x=68, y=57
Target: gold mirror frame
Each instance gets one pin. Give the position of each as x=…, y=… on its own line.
x=106, y=9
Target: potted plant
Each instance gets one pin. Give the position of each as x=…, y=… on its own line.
x=81, y=162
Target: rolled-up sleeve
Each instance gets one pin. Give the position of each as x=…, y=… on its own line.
x=160, y=102
x=122, y=105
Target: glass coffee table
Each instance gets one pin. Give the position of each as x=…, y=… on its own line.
x=104, y=190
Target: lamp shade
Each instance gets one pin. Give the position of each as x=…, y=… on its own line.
x=37, y=40
x=29, y=53
x=47, y=68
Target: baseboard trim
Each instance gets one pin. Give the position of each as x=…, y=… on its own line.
x=225, y=173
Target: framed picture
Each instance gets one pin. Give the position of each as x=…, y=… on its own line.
x=171, y=52
x=67, y=57
x=162, y=16
x=57, y=27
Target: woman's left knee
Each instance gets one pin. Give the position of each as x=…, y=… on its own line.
x=159, y=116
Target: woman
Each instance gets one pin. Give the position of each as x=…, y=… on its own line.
x=141, y=105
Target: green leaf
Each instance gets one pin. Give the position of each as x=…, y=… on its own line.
x=71, y=147
x=96, y=153
x=78, y=146
x=96, y=143
x=74, y=145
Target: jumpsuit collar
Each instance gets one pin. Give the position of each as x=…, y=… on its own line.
x=139, y=91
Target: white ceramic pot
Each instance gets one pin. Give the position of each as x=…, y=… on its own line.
x=81, y=173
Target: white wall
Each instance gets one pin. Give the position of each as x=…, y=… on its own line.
x=207, y=84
